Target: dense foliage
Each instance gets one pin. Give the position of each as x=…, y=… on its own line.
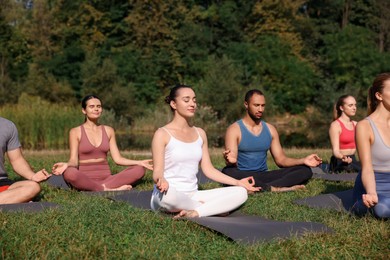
x=301, y=53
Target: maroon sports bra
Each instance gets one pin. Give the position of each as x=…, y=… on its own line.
x=88, y=151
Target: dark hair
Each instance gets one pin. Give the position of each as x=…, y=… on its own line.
x=86, y=98
x=251, y=92
x=336, y=109
x=173, y=93
x=377, y=86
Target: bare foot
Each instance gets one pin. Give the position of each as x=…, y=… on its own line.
x=123, y=187
x=186, y=214
x=283, y=189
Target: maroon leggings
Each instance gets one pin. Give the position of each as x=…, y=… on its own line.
x=92, y=176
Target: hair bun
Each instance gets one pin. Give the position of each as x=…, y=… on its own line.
x=167, y=99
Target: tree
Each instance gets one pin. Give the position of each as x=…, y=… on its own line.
x=14, y=54
x=221, y=88
x=100, y=78
x=41, y=83
x=384, y=25
x=270, y=17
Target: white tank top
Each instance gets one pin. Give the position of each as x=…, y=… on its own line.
x=182, y=163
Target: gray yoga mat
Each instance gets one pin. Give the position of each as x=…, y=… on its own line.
x=138, y=199
x=336, y=177
x=57, y=181
x=341, y=201
x=28, y=207
x=322, y=168
x=248, y=230
x=202, y=179
x=239, y=227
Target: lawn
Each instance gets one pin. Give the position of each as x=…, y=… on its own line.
x=91, y=227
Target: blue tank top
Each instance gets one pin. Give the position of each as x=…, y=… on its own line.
x=252, y=149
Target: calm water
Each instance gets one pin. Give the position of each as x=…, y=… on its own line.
x=310, y=137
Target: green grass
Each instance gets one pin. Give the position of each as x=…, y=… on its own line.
x=96, y=228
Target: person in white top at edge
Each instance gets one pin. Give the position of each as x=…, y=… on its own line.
x=177, y=150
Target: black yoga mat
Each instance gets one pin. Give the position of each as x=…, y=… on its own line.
x=239, y=227
x=336, y=177
x=28, y=207
x=341, y=201
x=57, y=181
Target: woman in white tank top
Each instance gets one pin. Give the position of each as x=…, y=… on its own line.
x=177, y=150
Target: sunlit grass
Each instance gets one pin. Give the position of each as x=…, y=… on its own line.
x=89, y=227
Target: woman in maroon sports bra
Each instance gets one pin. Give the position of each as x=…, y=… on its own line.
x=87, y=168
x=342, y=136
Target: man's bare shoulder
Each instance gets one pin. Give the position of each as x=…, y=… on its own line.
x=233, y=129
x=271, y=128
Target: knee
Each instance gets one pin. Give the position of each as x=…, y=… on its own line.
x=239, y=193
x=70, y=174
x=243, y=194
x=307, y=172
x=382, y=209
x=139, y=171
x=170, y=199
x=32, y=189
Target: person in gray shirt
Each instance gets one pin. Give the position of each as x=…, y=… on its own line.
x=20, y=191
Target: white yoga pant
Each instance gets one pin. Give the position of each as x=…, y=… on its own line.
x=205, y=202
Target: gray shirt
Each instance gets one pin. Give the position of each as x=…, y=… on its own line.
x=8, y=141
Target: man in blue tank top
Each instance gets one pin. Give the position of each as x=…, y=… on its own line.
x=247, y=142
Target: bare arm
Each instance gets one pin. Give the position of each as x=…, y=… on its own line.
x=218, y=176
x=364, y=139
x=280, y=157
x=117, y=157
x=334, y=135
x=21, y=167
x=74, y=139
x=232, y=138
x=159, y=142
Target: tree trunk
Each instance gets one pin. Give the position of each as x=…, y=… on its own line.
x=346, y=11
